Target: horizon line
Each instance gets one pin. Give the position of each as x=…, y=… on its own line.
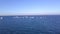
x=29, y=15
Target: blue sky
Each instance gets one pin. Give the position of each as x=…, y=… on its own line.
x=19, y=7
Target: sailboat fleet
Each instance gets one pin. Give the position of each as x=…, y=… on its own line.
x=32, y=17
x=22, y=17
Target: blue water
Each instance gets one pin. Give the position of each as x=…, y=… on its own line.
x=43, y=24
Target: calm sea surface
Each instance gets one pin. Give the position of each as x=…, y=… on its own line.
x=38, y=24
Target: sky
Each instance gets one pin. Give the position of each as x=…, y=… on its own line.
x=29, y=7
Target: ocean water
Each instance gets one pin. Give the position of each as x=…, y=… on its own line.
x=33, y=24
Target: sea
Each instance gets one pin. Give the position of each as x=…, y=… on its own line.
x=30, y=24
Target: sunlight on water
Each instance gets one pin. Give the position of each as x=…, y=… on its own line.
x=26, y=17
x=30, y=25
x=32, y=17
x=41, y=17
x=1, y=18
x=16, y=17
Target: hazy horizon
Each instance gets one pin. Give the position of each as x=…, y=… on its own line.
x=29, y=7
